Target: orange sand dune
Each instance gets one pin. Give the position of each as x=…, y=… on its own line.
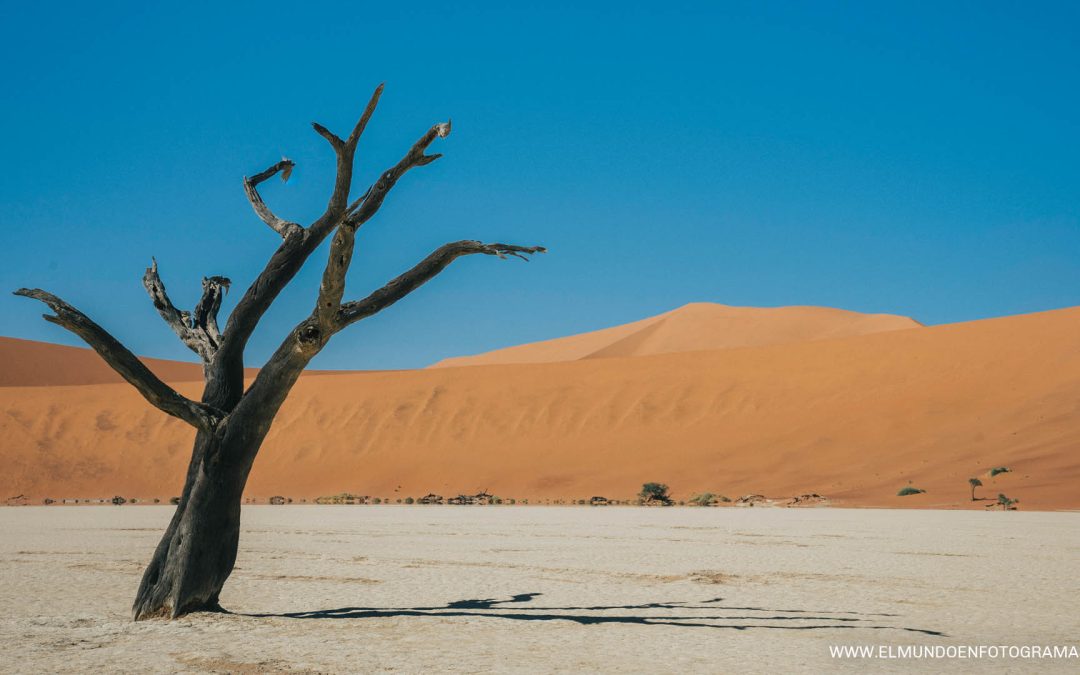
x=27, y=363
x=853, y=418
x=694, y=327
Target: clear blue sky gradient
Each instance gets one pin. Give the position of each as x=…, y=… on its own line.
x=913, y=158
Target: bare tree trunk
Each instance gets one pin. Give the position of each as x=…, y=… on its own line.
x=198, y=550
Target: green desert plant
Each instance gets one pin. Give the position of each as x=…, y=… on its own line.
x=654, y=492
x=703, y=499
x=999, y=469
x=974, y=483
x=908, y=490
x=409, y=500
x=1007, y=504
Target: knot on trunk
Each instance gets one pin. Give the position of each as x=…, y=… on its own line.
x=309, y=334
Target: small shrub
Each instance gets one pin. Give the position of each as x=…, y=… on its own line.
x=118, y=500
x=175, y=501
x=907, y=490
x=1007, y=504
x=999, y=469
x=703, y=499
x=409, y=500
x=376, y=501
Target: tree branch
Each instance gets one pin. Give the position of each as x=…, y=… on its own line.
x=199, y=331
x=293, y=252
x=179, y=321
x=161, y=395
x=423, y=272
x=332, y=288
x=279, y=225
x=363, y=209
x=346, y=153
x=307, y=338
x=205, y=318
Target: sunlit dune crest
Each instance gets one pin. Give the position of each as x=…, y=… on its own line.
x=695, y=327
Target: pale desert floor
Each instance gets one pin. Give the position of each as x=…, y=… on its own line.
x=540, y=589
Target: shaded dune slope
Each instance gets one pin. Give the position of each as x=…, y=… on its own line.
x=28, y=363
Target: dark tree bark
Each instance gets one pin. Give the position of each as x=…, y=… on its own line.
x=197, y=552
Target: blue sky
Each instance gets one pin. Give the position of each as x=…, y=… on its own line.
x=912, y=158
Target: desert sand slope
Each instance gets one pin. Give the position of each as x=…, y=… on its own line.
x=852, y=418
x=694, y=327
x=27, y=363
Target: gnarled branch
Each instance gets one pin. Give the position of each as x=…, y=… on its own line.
x=332, y=288
x=364, y=208
x=205, y=317
x=294, y=251
x=178, y=321
x=199, y=331
x=346, y=153
x=120, y=358
x=279, y=225
x=307, y=338
x=423, y=272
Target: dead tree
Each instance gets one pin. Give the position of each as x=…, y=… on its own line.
x=198, y=550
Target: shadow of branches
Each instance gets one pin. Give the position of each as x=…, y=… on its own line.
x=704, y=614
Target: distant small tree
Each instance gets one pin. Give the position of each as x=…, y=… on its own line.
x=174, y=500
x=1007, y=504
x=409, y=500
x=118, y=500
x=974, y=483
x=999, y=469
x=376, y=501
x=907, y=490
x=654, y=492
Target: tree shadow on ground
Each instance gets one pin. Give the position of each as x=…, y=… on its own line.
x=649, y=614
